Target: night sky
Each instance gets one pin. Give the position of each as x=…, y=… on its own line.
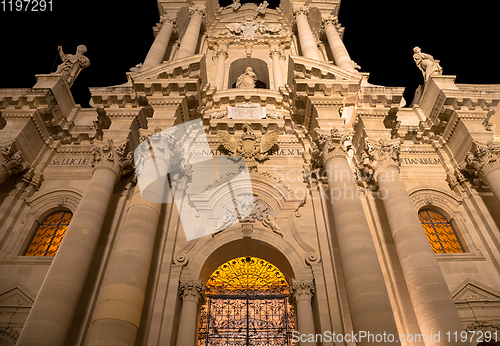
x=379, y=36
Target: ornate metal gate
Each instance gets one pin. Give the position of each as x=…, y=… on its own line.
x=240, y=316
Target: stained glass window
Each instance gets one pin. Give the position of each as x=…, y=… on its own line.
x=440, y=232
x=246, y=304
x=49, y=234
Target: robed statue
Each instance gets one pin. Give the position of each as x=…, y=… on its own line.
x=426, y=64
x=72, y=64
x=247, y=79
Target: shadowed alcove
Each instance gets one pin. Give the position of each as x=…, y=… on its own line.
x=259, y=67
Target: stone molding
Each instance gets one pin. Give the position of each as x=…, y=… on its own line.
x=7, y=332
x=378, y=155
x=192, y=290
x=302, y=290
x=481, y=159
x=53, y=199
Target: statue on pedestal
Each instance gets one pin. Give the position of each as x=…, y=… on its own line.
x=247, y=79
x=72, y=65
x=426, y=64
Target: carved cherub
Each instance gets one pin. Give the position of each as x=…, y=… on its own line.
x=270, y=222
x=249, y=147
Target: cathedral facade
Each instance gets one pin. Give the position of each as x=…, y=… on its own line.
x=249, y=186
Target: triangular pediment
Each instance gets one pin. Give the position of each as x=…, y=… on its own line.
x=192, y=67
x=15, y=297
x=471, y=290
x=304, y=68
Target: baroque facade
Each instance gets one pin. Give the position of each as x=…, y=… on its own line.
x=301, y=199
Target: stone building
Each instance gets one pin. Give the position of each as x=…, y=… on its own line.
x=341, y=209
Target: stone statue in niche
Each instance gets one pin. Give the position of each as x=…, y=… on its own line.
x=72, y=65
x=261, y=9
x=426, y=64
x=247, y=79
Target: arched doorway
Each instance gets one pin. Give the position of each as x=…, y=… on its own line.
x=246, y=304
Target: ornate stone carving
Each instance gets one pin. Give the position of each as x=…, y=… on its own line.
x=113, y=157
x=272, y=29
x=378, y=155
x=248, y=28
x=302, y=10
x=328, y=146
x=32, y=182
x=301, y=290
x=426, y=64
x=331, y=20
x=9, y=333
x=72, y=65
x=235, y=5
x=220, y=51
x=277, y=116
x=192, y=291
x=249, y=147
x=270, y=222
x=481, y=159
x=199, y=11
x=261, y=9
x=11, y=163
x=482, y=325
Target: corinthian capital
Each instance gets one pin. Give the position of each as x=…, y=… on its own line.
x=112, y=157
x=330, y=20
x=199, y=11
x=301, y=10
x=166, y=20
x=301, y=290
x=328, y=146
x=192, y=291
x=378, y=155
x=220, y=51
x=482, y=159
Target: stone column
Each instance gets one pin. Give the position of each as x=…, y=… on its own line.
x=302, y=292
x=275, y=54
x=369, y=302
x=429, y=293
x=220, y=68
x=190, y=39
x=339, y=52
x=484, y=161
x=50, y=317
x=306, y=37
x=192, y=293
x=160, y=44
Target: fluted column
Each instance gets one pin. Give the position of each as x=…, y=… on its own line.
x=160, y=44
x=306, y=37
x=50, y=317
x=275, y=54
x=190, y=39
x=192, y=293
x=369, y=302
x=220, y=67
x=429, y=293
x=339, y=52
x=302, y=292
x=484, y=161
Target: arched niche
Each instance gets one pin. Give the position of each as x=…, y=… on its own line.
x=259, y=67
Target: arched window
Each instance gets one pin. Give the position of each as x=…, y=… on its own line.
x=247, y=304
x=440, y=232
x=49, y=234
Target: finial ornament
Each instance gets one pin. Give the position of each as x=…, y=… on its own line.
x=378, y=155
x=426, y=63
x=481, y=159
x=72, y=65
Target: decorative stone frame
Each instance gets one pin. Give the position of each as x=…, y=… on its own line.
x=237, y=66
x=450, y=206
x=41, y=206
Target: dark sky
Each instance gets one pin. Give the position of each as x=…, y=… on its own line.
x=378, y=34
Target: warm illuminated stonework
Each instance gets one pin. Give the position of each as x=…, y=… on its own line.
x=343, y=210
